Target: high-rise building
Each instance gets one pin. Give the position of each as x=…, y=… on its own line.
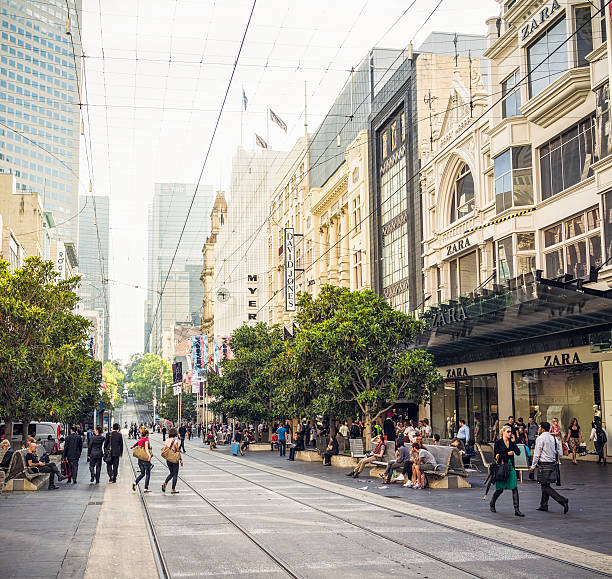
x=175, y=293
x=40, y=60
x=93, y=250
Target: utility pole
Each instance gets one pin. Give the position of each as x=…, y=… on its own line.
x=429, y=101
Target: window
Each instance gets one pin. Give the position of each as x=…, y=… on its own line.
x=574, y=245
x=607, y=200
x=395, y=256
x=462, y=201
x=357, y=270
x=603, y=135
x=505, y=259
x=547, y=58
x=567, y=159
x=357, y=214
x=513, y=178
x=584, y=34
x=525, y=253
x=511, y=104
x=464, y=274
x=393, y=192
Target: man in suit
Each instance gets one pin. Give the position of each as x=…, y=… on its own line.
x=182, y=433
x=73, y=446
x=113, y=442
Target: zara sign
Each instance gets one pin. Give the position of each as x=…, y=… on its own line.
x=537, y=20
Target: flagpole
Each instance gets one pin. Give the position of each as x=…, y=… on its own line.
x=241, y=115
x=268, y=126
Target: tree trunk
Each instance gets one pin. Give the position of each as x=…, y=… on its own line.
x=8, y=431
x=367, y=416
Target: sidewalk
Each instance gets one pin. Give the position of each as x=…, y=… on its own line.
x=588, y=524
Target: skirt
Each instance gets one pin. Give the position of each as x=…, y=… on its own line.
x=509, y=484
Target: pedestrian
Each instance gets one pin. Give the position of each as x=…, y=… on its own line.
x=376, y=454
x=89, y=437
x=599, y=438
x=300, y=444
x=389, y=427
x=182, y=433
x=164, y=433
x=574, y=438
x=282, y=440
x=173, y=458
x=114, y=445
x=546, y=455
x=504, y=450
x=464, y=433
x=144, y=454
x=331, y=450
x=402, y=462
x=94, y=455
x=73, y=447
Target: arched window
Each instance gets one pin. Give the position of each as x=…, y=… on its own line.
x=462, y=201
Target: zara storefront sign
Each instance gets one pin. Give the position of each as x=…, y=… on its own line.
x=449, y=316
x=289, y=269
x=563, y=359
x=458, y=246
x=538, y=19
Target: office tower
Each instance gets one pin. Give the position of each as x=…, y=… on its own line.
x=179, y=286
x=39, y=112
x=94, y=290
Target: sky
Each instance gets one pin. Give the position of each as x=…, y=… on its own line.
x=156, y=72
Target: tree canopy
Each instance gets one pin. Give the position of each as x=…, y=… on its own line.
x=168, y=406
x=46, y=370
x=146, y=375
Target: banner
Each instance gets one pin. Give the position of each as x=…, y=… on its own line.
x=177, y=389
x=199, y=354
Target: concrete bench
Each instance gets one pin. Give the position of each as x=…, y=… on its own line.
x=310, y=455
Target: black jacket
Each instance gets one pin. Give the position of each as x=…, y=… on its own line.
x=114, y=441
x=182, y=431
x=502, y=450
x=389, y=429
x=73, y=446
x=96, y=442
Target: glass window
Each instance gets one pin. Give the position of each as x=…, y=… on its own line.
x=513, y=178
x=511, y=105
x=567, y=159
x=462, y=202
x=547, y=58
x=584, y=34
x=607, y=223
x=525, y=241
x=505, y=258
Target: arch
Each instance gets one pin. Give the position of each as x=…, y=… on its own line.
x=450, y=200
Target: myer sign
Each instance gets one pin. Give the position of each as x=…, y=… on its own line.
x=289, y=269
x=538, y=20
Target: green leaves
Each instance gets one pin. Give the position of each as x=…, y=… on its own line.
x=150, y=371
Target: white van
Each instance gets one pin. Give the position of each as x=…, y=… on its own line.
x=39, y=430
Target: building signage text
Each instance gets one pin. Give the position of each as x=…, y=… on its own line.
x=448, y=316
x=289, y=269
x=458, y=246
x=456, y=372
x=564, y=359
x=252, y=297
x=538, y=19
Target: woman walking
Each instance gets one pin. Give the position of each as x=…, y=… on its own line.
x=505, y=449
x=599, y=437
x=173, y=458
x=144, y=454
x=574, y=438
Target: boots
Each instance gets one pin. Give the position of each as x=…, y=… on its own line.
x=494, y=498
x=515, y=502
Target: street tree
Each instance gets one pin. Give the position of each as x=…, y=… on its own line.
x=152, y=371
x=168, y=406
x=112, y=384
x=352, y=349
x=247, y=389
x=46, y=370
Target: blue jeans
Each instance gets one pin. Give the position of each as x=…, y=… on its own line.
x=145, y=471
x=282, y=447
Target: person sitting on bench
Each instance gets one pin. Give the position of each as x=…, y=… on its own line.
x=402, y=462
x=377, y=454
x=332, y=450
x=32, y=461
x=299, y=445
x=423, y=461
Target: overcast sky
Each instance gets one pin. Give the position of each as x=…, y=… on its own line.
x=156, y=73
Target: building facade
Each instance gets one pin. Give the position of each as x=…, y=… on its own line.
x=39, y=79
x=516, y=223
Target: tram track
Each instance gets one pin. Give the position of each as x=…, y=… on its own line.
x=415, y=517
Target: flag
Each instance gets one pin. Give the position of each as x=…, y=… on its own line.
x=276, y=119
x=245, y=100
x=260, y=142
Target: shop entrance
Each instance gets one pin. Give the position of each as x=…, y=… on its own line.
x=473, y=399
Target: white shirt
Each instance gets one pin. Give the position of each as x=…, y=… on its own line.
x=344, y=430
x=547, y=449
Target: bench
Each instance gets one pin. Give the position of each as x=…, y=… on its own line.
x=23, y=478
x=381, y=465
x=356, y=445
x=450, y=471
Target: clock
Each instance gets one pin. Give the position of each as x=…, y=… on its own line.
x=223, y=294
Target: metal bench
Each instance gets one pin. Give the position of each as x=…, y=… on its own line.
x=356, y=445
x=23, y=478
x=449, y=471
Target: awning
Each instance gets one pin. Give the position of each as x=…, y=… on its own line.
x=527, y=310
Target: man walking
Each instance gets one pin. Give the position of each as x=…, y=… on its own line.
x=182, y=434
x=113, y=443
x=73, y=446
x=532, y=434
x=164, y=433
x=464, y=433
x=545, y=458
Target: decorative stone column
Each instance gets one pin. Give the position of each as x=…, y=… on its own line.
x=345, y=249
x=333, y=251
x=323, y=263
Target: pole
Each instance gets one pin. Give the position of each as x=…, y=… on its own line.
x=206, y=404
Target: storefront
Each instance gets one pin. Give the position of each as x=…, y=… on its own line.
x=536, y=348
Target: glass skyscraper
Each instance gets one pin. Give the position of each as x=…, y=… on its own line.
x=39, y=103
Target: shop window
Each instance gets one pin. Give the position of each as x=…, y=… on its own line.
x=573, y=246
x=567, y=159
x=505, y=259
x=584, y=33
x=607, y=223
x=463, y=274
x=513, y=179
x=563, y=392
x=462, y=202
x=547, y=58
x=511, y=105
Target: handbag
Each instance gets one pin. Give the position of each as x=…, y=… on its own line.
x=582, y=449
x=141, y=453
x=66, y=470
x=502, y=472
x=170, y=454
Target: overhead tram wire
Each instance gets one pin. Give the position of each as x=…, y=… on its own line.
x=212, y=138
x=457, y=137
x=333, y=140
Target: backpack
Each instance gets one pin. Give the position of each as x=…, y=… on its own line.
x=602, y=436
x=355, y=431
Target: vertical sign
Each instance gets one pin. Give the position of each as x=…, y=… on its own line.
x=289, y=269
x=252, y=297
x=60, y=260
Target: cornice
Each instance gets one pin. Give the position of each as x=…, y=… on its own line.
x=328, y=198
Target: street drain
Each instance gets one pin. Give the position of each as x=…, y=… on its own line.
x=94, y=503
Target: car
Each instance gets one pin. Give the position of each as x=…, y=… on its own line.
x=39, y=430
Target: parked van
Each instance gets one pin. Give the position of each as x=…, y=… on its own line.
x=39, y=430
